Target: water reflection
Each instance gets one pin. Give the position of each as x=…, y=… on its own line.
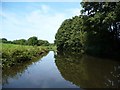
x=89, y=72
x=16, y=71
x=41, y=73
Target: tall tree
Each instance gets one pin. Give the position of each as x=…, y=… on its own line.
x=96, y=31
x=103, y=25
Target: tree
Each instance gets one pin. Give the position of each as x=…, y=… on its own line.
x=20, y=41
x=32, y=41
x=96, y=31
x=3, y=40
x=102, y=26
x=71, y=35
x=43, y=42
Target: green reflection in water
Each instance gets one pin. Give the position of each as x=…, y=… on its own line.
x=16, y=71
x=89, y=72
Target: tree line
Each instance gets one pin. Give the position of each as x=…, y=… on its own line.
x=96, y=31
x=33, y=41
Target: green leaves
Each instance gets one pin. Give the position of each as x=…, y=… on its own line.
x=16, y=54
x=32, y=41
x=68, y=35
x=95, y=31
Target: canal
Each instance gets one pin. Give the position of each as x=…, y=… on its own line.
x=64, y=71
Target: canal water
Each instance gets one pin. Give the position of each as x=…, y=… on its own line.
x=64, y=71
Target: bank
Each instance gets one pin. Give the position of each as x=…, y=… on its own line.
x=17, y=54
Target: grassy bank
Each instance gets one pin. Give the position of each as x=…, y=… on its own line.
x=15, y=54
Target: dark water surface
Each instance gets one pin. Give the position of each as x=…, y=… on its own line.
x=64, y=71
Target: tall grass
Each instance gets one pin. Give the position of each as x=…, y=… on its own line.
x=16, y=54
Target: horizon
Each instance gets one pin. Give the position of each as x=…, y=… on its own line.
x=21, y=20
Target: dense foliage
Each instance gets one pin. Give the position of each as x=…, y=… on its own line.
x=16, y=54
x=32, y=41
x=69, y=35
x=95, y=31
x=20, y=41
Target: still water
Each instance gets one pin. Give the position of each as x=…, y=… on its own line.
x=64, y=71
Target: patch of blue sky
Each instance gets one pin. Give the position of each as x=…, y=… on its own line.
x=41, y=19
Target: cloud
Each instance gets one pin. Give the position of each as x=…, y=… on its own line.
x=45, y=24
x=45, y=8
x=39, y=22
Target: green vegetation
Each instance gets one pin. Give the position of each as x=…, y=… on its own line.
x=51, y=47
x=32, y=41
x=18, y=51
x=96, y=31
x=70, y=35
x=16, y=54
x=19, y=42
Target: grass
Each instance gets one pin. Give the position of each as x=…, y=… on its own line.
x=51, y=47
x=15, y=54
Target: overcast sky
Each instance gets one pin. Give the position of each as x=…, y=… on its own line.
x=27, y=19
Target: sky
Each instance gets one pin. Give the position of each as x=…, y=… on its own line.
x=21, y=20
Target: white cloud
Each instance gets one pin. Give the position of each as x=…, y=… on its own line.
x=45, y=8
x=44, y=24
x=38, y=23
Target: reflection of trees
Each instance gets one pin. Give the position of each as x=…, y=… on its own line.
x=114, y=79
x=16, y=71
x=0, y=75
x=89, y=72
